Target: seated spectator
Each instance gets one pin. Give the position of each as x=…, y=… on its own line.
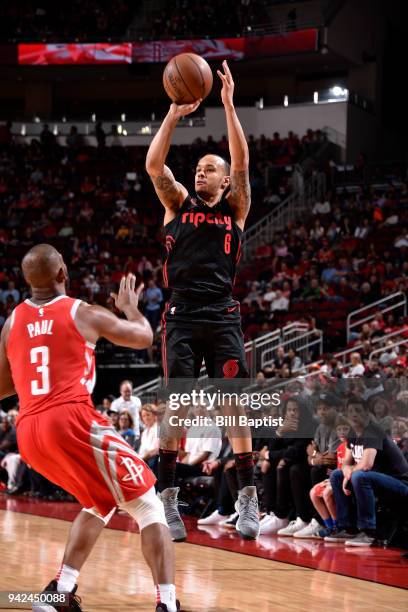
x=280, y=303
x=130, y=403
x=322, y=493
x=322, y=208
x=286, y=474
x=126, y=428
x=150, y=440
x=374, y=467
x=153, y=298
x=203, y=443
x=379, y=407
x=12, y=292
x=113, y=415
x=295, y=362
x=225, y=501
x=356, y=368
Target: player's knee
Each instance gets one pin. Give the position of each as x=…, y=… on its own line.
x=104, y=518
x=146, y=510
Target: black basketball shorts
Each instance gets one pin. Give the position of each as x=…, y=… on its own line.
x=192, y=333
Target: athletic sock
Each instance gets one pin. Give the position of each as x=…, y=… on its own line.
x=245, y=469
x=166, y=594
x=66, y=578
x=329, y=523
x=335, y=526
x=167, y=468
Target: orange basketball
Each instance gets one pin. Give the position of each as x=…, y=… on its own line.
x=187, y=78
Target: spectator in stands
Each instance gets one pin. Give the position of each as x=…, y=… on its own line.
x=113, y=414
x=322, y=208
x=280, y=360
x=8, y=437
x=356, y=368
x=10, y=292
x=322, y=493
x=380, y=407
x=130, y=403
x=203, y=443
x=126, y=428
x=294, y=361
x=150, y=440
x=280, y=303
x=373, y=467
x=153, y=299
x=286, y=474
x=321, y=453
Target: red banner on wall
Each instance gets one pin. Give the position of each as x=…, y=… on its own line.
x=227, y=48
x=302, y=41
x=75, y=53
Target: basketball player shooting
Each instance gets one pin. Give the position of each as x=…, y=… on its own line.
x=203, y=242
x=47, y=357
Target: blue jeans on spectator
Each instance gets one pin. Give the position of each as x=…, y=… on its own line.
x=366, y=486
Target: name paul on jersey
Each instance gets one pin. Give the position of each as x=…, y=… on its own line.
x=40, y=328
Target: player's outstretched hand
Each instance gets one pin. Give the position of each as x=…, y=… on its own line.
x=128, y=297
x=227, y=91
x=180, y=110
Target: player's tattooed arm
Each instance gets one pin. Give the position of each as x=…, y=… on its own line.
x=240, y=195
x=170, y=193
x=6, y=380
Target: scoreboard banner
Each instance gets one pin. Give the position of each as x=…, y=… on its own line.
x=302, y=41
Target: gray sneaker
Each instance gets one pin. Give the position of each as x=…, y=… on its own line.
x=340, y=536
x=170, y=502
x=361, y=539
x=248, y=515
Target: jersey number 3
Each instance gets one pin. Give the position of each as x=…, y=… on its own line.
x=41, y=355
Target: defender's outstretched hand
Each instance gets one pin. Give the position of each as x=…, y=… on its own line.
x=227, y=91
x=180, y=110
x=128, y=297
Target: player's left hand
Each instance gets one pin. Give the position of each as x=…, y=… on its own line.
x=227, y=91
x=127, y=297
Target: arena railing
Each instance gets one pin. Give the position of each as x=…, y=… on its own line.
x=292, y=208
x=343, y=355
x=384, y=305
x=385, y=349
x=254, y=350
x=301, y=344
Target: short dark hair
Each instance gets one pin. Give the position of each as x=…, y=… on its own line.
x=355, y=400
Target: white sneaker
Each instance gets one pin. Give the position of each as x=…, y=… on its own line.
x=215, y=518
x=293, y=527
x=310, y=531
x=273, y=525
x=229, y=521
x=266, y=518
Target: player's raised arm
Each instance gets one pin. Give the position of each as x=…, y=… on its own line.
x=171, y=193
x=240, y=197
x=6, y=381
x=96, y=322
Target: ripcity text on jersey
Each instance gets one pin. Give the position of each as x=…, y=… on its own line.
x=203, y=245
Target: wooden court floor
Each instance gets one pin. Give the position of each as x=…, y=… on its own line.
x=115, y=579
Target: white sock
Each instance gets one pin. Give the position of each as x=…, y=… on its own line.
x=166, y=594
x=66, y=578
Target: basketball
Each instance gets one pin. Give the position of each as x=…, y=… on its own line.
x=187, y=78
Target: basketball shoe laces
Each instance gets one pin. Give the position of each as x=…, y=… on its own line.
x=248, y=508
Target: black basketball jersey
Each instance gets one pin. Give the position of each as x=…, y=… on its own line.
x=203, y=245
